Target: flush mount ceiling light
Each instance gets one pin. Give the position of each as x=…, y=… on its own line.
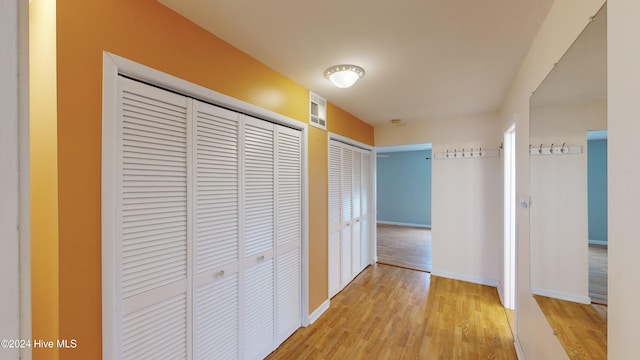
x=344, y=76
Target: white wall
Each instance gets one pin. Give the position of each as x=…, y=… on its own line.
x=558, y=188
x=9, y=178
x=466, y=200
x=565, y=21
x=624, y=176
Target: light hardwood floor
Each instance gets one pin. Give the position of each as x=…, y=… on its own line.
x=389, y=312
x=404, y=246
x=581, y=329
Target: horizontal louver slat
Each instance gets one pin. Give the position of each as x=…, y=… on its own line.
x=158, y=331
x=289, y=294
x=217, y=187
x=259, y=188
x=259, y=310
x=154, y=186
x=335, y=199
x=217, y=319
x=347, y=183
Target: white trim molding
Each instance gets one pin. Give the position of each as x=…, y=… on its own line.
x=315, y=315
x=471, y=279
x=562, y=295
x=403, y=224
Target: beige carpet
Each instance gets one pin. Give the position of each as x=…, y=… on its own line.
x=404, y=246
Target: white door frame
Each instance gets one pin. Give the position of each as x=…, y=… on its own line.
x=509, y=253
x=15, y=257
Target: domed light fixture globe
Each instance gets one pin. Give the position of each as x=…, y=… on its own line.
x=344, y=76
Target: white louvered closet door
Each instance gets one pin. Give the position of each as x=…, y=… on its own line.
x=258, y=244
x=154, y=226
x=335, y=207
x=288, y=231
x=217, y=199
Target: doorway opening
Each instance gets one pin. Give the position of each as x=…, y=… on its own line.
x=403, y=178
x=597, y=215
x=509, y=263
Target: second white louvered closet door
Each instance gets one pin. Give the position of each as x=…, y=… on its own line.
x=258, y=243
x=288, y=231
x=217, y=199
x=154, y=227
x=349, y=207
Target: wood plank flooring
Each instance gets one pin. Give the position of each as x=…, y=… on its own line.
x=581, y=329
x=404, y=246
x=389, y=312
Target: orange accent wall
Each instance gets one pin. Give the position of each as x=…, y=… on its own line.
x=151, y=34
x=43, y=175
x=343, y=123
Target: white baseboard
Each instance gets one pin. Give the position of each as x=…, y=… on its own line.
x=472, y=279
x=598, y=242
x=518, y=346
x=562, y=295
x=403, y=224
x=500, y=293
x=315, y=315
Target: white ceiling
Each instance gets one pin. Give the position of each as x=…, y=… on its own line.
x=424, y=59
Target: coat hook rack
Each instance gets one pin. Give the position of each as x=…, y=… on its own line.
x=466, y=153
x=554, y=149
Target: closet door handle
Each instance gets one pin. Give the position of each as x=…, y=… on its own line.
x=260, y=258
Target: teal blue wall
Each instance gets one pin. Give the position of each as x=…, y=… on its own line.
x=597, y=189
x=404, y=187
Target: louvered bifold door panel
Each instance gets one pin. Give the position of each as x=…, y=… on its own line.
x=288, y=231
x=356, y=223
x=217, y=319
x=335, y=187
x=258, y=186
x=154, y=222
x=258, y=240
x=357, y=183
x=365, y=223
x=347, y=183
x=216, y=232
x=334, y=262
x=259, y=312
x=335, y=218
x=289, y=187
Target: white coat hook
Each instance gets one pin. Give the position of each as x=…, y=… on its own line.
x=540, y=150
x=563, y=148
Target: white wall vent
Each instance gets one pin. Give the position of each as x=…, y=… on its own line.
x=317, y=111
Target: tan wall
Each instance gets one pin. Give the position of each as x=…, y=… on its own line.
x=565, y=21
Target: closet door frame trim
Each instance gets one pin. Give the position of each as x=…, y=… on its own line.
x=114, y=66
